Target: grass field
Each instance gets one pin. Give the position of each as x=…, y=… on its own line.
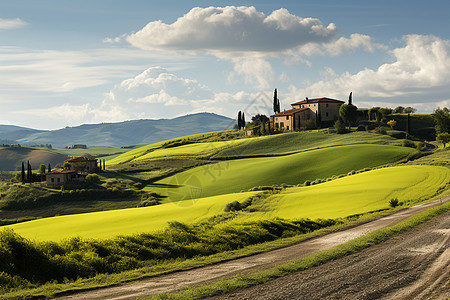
x=339, y=198
x=300, y=141
x=126, y=221
x=242, y=174
x=106, y=153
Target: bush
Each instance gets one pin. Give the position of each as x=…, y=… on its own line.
x=307, y=183
x=361, y=128
x=93, y=179
x=408, y=143
x=380, y=130
x=420, y=146
x=339, y=127
x=393, y=202
x=233, y=206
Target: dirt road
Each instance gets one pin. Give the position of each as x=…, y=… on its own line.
x=176, y=281
x=412, y=265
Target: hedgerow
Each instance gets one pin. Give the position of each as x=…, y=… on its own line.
x=24, y=262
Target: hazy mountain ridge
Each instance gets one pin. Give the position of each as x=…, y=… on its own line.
x=118, y=134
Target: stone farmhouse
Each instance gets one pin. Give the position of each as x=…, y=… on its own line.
x=79, y=168
x=304, y=113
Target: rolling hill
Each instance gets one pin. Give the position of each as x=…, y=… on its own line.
x=342, y=197
x=119, y=134
x=11, y=158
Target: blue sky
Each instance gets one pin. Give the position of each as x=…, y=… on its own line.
x=65, y=63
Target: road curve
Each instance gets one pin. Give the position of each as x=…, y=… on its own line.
x=175, y=281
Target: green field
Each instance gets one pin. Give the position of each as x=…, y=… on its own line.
x=242, y=174
x=338, y=198
x=106, y=153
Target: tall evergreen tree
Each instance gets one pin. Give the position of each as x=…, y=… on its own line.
x=29, y=172
x=350, y=98
x=275, y=98
x=49, y=168
x=243, y=120
x=23, y=173
x=239, y=120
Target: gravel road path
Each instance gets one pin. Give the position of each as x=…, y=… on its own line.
x=178, y=280
x=412, y=265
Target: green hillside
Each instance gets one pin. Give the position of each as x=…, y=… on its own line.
x=11, y=158
x=242, y=174
x=338, y=198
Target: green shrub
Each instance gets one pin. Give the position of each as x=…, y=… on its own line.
x=339, y=127
x=93, y=179
x=393, y=202
x=361, y=128
x=380, y=130
x=408, y=143
x=307, y=183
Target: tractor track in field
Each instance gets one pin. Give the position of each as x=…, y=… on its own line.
x=204, y=275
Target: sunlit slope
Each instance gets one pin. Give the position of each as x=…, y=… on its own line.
x=126, y=221
x=242, y=174
x=300, y=141
x=338, y=198
x=359, y=193
x=193, y=149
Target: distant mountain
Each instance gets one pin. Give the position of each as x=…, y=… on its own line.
x=119, y=134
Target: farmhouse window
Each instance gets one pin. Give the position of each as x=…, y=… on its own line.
x=53, y=179
x=276, y=125
x=59, y=180
x=326, y=113
x=326, y=105
x=287, y=117
x=281, y=125
x=287, y=127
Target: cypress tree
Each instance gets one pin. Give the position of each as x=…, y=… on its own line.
x=350, y=98
x=278, y=106
x=104, y=165
x=275, y=101
x=29, y=172
x=239, y=120
x=49, y=168
x=23, y=173
x=243, y=120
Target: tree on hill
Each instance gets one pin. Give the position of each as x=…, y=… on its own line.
x=29, y=172
x=318, y=119
x=443, y=138
x=23, y=173
x=409, y=110
x=239, y=120
x=441, y=119
x=243, y=120
x=259, y=119
x=350, y=98
x=42, y=170
x=392, y=123
x=398, y=110
x=276, y=102
x=49, y=168
x=348, y=113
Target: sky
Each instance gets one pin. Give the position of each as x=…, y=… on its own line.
x=66, y=63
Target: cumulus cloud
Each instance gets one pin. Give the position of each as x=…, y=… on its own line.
x=232, y=29
x=248, y=38
x=156, y=92
x=12, y=23
x=420, y=73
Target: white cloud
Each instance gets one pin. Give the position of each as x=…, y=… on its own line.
x=420, y=73
x=256, y=71
x=355, y=41
x=65, y=71
x=232, y=29
x=12, y=23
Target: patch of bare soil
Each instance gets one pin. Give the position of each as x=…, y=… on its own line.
x=208, y=274
x=412, y=265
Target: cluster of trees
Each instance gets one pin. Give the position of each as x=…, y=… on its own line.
x=241, y=120
x=403, y=110
x=442, y=120
x=28, y=176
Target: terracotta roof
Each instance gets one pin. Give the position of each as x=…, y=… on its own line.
x=81, y=159
x=289, y=112
x=316, y=100
x=62, y=171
